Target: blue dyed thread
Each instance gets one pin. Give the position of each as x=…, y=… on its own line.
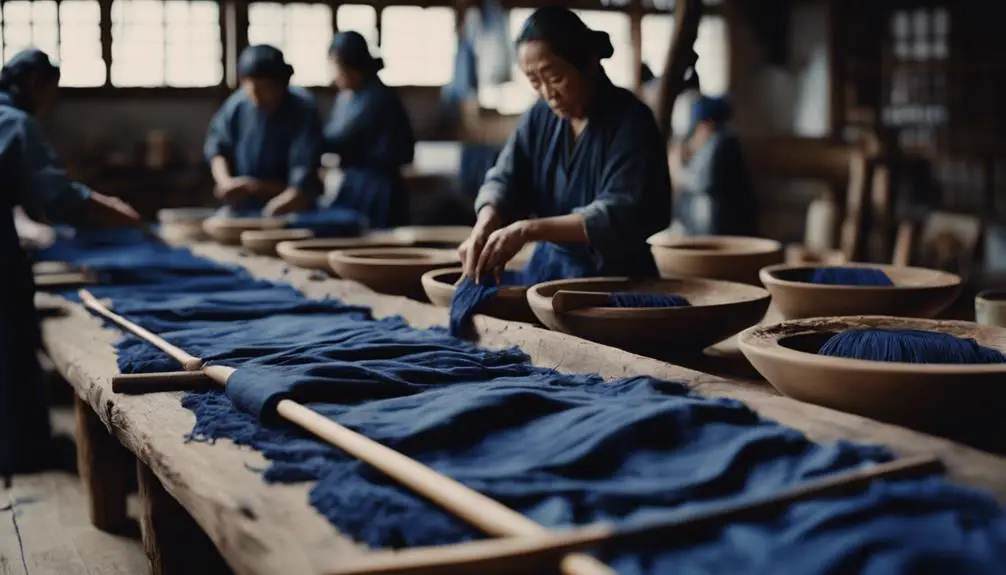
x=844, y=276
x=908, y=346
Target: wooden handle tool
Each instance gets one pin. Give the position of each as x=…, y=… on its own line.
x=569, y=300
x=140, y=383
x=64, y=279
x=539, y=554
x=467, y=504
x=189, y=362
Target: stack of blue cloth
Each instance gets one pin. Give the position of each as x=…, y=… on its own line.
x=562, y=449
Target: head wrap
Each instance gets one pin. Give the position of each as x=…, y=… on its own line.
x=264, y=61
x=352, y=51
x=716, y=110
x=567, y=36
x=20, y=70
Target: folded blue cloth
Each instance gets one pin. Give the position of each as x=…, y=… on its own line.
x=562, y=449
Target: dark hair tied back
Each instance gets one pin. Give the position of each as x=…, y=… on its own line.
x=26, y=66
x=566, y=34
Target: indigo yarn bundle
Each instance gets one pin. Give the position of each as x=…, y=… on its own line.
x=638, y=299
x=850, y=277
x=908, y=346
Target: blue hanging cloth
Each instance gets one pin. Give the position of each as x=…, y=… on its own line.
x=561, y=449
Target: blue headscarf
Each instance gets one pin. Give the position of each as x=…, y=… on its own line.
x=264, y=61
x=716, y=110
x=352, y=51
x=20, y=70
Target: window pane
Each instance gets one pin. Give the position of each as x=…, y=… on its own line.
x=17, y=12
x=710, y=45
x=302, y=31
x=359, y=18
x=418, y=45
x=166, y=42
x=80, y=44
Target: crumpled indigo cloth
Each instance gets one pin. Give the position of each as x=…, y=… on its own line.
x=562, y=449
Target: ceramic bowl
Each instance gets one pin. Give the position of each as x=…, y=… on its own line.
x=396, y=270
x=917, y=292
x=228, y=230
x=730, y=258
x=510, y=302
x=719, y=309
x=312, y=254
x=927, y=397
x=264, y=242
x=183, y=224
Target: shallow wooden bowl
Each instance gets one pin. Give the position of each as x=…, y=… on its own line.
x=510, y=302
x=228, y=230
x=183, y=224
x=264, y=242
x=719, y=309
x=396, y=270
x=917, y=292
x=312, y=254
x=928, y=397
x=432, y=236
x=730, y=258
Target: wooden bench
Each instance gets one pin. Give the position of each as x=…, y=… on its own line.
x=204, y=506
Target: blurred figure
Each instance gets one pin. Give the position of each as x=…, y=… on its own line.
x=370, y=132
x=714, y=194
x=264, y=144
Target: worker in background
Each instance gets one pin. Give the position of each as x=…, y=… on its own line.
x=371, y=134
x=264, y=144
x=709, y=175
x=33, y=180
x=585, y=173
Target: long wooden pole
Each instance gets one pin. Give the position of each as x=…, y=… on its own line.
x=467, y=504
x=680, y=56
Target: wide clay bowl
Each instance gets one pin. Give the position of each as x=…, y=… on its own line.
x=718, y=310
x=183, y=224
x=923, y=396
x=396, y=271
x=264, y=242
x=312, y=254
x=510, y=302
x=917, y=292
x=730, y=258
x=432, y=236
x=228, y=230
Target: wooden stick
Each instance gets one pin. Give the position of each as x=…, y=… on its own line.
x=568, y=300
x=189, y=362
x=533, y=554
x=140, y=383
x=479, y=510
x=64, y=279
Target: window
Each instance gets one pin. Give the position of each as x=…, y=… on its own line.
x=710, y=45
x=302, y=31
x=30, y=24
x=166, y=43
x=81, y=62
x=417, y=45
x=617, y=25
x=359, y=18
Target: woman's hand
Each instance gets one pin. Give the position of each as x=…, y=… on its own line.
x=290, y=200
x=502, y=246
x=234, y=189
x=470, y=250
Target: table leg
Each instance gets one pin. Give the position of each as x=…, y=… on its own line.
x=104, y=467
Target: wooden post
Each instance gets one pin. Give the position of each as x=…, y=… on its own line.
x=173, y=542
x=680, y=56
x=104, y=467
x=636, y=35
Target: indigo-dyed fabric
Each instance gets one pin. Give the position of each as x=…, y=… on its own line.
x=371, y=132
x=561, y=449
x=615, y=176
x=838, y=276
x=718, y=198
x=909, y=346
x=280, y=146
x=476, y=160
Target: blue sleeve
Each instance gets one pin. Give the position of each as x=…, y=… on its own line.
x=305, y=151
x=506, y=185
x=219, y=136
x=634, y=201
x=45, y=185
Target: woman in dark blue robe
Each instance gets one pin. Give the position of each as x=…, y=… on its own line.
x=34, y=180
x=370, y=132
x=585, y=173
x=264, y=144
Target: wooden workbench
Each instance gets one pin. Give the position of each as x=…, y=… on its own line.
x=259, y=528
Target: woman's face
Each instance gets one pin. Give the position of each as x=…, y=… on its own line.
x=345, y=78
x=43, y=96
x=266, y=93
x=557, y=81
